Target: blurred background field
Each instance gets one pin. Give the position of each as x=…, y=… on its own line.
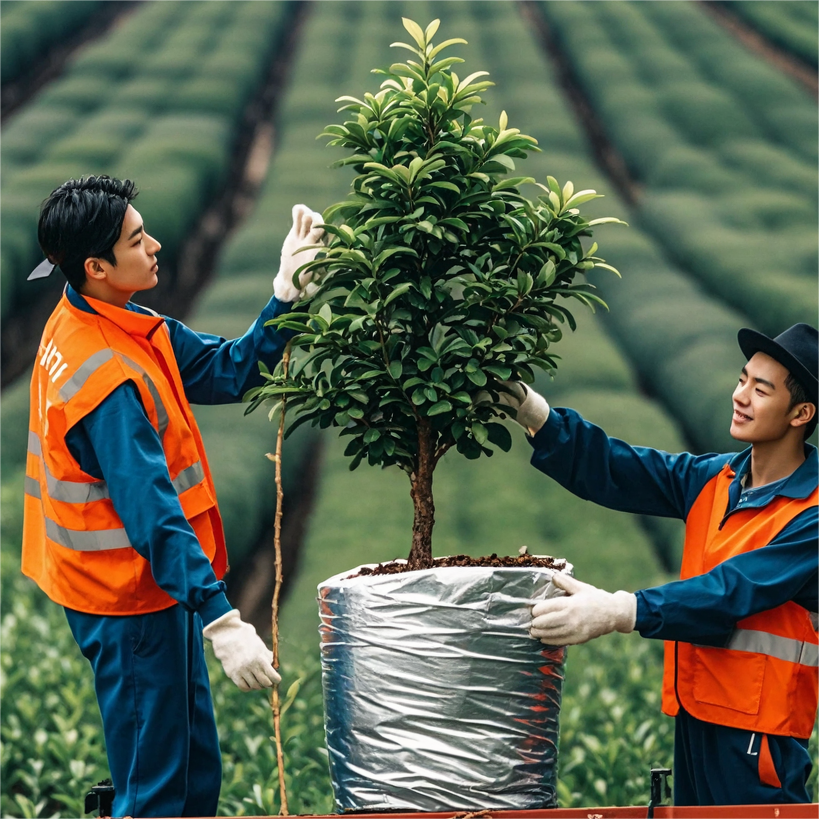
x=699, y=141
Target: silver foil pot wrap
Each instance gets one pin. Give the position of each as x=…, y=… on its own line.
x=435, y=695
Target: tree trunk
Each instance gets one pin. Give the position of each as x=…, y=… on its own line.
x=420, y=556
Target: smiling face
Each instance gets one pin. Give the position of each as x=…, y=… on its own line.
x=136, y=268
x=762, y=411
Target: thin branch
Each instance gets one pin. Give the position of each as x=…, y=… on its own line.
x=275, y=700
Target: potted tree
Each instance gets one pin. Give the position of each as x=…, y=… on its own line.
x=441, y=280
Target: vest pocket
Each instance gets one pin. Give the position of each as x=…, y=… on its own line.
x=729, y=679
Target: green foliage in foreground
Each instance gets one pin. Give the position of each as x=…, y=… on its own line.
x=52, y=747
x=52, y=750
x=51, y=742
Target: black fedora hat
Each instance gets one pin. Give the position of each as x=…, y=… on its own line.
x=797, y=349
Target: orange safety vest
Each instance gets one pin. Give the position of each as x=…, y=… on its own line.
x=765, y=679
x=74, y=544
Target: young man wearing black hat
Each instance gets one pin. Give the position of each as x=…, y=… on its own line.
x=740, y=626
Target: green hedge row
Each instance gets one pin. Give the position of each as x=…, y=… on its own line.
x=243, y=283
x=650, y=282
x=724, y=146
x=158, y=100
x=791, y=26
x=28, y=30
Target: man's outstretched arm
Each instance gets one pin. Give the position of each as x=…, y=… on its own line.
x=703, y=609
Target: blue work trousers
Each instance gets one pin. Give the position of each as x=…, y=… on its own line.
x=154, y=696
x=717, y=765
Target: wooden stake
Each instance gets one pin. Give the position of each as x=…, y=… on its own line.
x=277, y=540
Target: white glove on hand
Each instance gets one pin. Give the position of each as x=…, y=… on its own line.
x=243, y=654
x=587, y=612
x=532, y=408
x=304, y=232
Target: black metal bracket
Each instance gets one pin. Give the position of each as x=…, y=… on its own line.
x=101, y=798
x=660, y=789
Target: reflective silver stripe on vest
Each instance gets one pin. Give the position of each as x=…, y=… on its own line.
x=65, y=491
x=189, y=477
x=33, y=487
x=783, y=648
x=82, y=541
x=161, y=412
x=34, y=444
x=85, y=371
x=93, y=363
x=75, y=491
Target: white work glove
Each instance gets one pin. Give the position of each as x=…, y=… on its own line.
x=532, y=408
x=303, y=233
x=243, y=654
x=587, y=612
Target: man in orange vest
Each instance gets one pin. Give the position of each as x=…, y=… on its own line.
x=121, y=524
x=740, y=626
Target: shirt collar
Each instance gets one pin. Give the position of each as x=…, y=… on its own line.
x=135, y=320
x=798, y=485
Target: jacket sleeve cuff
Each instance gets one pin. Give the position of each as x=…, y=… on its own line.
x=643, y=620
x=542, y=440
x=213, y=608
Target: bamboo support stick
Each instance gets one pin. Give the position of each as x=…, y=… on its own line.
x=275, y=701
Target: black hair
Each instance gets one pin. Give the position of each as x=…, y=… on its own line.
x=82, y=219
x=799, y=395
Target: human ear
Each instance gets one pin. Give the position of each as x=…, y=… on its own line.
x=803, y=414
x=94, y=269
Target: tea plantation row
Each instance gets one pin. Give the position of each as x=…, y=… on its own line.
x=29, y=30
x=723, y=145
x=159, y=99
x=661, y=319
x=791, y=26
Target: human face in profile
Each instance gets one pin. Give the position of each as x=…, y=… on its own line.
x=136, y=267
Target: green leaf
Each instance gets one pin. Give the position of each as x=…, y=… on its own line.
x=396, y=368
x=449, y=186
x=415, y=31
x=500, y=372
x=429, y=31
x=607, y=220
x=398, y=291
x=478, y=378
x=326, y=313
x=480, y=433
x=445, y=44
x=500, y=436
x=439, y=408
x=371, y=435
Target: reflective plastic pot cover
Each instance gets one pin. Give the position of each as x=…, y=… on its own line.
x=435, y=695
